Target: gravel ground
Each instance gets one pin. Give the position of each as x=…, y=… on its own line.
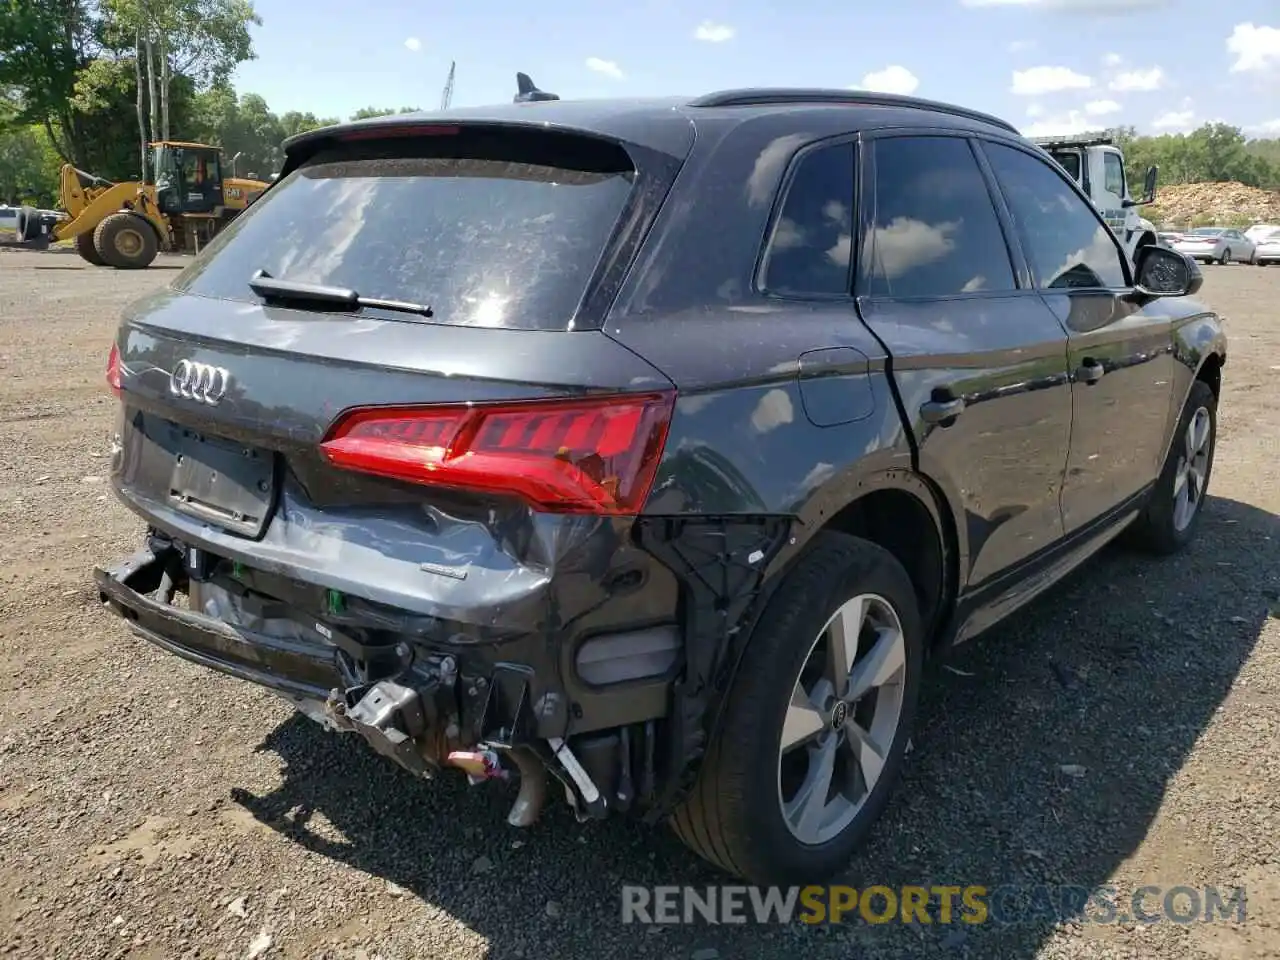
x=152, y=809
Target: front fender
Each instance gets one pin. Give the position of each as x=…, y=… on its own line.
x=1199, y=341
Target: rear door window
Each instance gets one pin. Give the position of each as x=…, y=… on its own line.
x=488, y=228
x=936, y=232
x=810, y=250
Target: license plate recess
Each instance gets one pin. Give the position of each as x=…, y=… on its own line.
x=226, y=483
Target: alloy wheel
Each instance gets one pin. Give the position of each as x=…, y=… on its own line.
x=1193, y=465
x=845, y=711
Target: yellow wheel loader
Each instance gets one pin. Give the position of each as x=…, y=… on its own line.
x=125, y=225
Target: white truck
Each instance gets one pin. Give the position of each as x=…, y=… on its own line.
x=1095, y=162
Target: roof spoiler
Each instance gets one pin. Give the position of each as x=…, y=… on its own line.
x=527, y=91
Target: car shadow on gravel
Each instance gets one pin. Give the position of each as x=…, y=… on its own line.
x=1042, y=754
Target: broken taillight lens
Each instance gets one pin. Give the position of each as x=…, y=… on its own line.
x=114, y=370
x=597, y=455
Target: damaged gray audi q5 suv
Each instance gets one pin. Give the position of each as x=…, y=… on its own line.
x=648, y=449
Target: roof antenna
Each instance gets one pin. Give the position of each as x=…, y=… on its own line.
x=528, y=92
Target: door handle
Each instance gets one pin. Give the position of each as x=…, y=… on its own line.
x=941, y=411
x=1091, y=371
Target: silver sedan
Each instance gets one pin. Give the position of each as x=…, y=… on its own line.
x=1216, y=245
x=1268, y=247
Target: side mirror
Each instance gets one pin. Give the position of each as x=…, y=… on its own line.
x=1149, y=184
x=1161, y=272
x=1148, y=188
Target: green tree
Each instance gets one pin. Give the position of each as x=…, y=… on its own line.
x=1216, y=152
x=200, y=40
x=249, y=134
x=293, y=123
x=44, y=44
x=365, y=113
x=104, y=108
x=28, y=166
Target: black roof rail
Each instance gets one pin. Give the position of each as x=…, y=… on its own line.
x=764, y=96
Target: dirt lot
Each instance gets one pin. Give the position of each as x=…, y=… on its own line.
x=153, y=809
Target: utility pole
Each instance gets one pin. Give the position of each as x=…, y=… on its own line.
x=447, y=97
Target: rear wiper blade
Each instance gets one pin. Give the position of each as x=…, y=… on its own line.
x=292, y=291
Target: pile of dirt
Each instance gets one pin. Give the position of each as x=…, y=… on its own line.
x=1221, y=204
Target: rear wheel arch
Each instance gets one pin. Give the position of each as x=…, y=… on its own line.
x=887, y=507
x=906, y=515
x=901, y=510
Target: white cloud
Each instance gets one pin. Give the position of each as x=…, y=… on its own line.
x=607, y=67
x=413, y=43
x=1036, y=81
x=1076, y=120
x=764, y=174
x=892, y=79
x=1267, y=126
x=1064, y=124
x=1113, y=59
x=774, y=410
x=1073, y=6
x=1255, y=48
x=1175, y=121
x=710, y=32
x=1138, y=80
x=907, y=243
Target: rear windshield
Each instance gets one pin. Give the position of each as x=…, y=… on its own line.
x=488, y=228
x=1206, y=231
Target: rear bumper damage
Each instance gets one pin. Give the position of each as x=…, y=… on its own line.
x=431, y=699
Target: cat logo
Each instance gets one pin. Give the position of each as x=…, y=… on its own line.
x=233, y=193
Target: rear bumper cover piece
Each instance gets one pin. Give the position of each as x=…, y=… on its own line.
x=427, y=701
x=282, y=665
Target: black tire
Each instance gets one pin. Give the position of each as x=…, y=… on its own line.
x=733, y=818
x=1156, y=530
x=87, y=251
x=26, y=225
x=125, y=241
x=1226, y=257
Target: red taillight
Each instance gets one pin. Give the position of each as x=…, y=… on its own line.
x=113, y=369
x=596, y=455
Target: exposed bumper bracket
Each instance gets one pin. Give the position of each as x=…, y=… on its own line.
x=390, y=717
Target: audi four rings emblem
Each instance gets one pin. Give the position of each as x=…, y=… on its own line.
x=199, y=381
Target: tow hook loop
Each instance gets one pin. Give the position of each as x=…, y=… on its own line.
x=390, y=718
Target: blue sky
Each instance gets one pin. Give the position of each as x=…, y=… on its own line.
x=1049, y=66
